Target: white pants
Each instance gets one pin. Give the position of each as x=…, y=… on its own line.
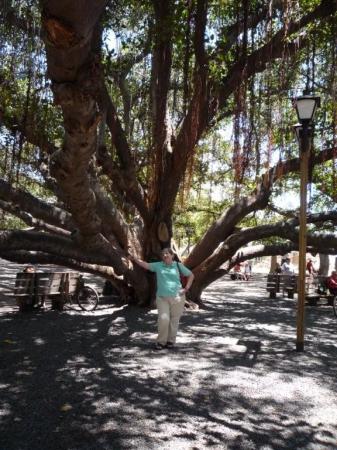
x=170, y=310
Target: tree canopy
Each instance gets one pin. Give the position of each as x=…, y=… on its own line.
x=126, y=127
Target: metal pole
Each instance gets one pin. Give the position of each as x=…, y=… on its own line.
x=304, y=159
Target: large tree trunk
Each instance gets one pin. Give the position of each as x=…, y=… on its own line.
x=70, y=36
x=273, y=263
x=323, y=264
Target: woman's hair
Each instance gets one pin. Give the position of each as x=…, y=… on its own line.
x=167, y=250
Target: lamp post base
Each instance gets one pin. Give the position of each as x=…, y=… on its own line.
x=299, y=346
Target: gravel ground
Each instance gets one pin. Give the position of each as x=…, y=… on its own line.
x=87, y=381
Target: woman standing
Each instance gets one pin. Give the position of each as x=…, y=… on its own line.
x=170, y=295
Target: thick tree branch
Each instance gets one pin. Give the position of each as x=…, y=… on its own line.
x=257, y=251
x=112, y=220
x=40, y=258
x=284, y=168
x=233, y=250
x=195, y=120
x=123, y=176
x=25, y=202
x=160, y=83
x=224, y=226
x=52, y=244
x=70, y=34
x=199, y=35
x=120, y=69
x=62, y=247
x=244, y=254
x=283, y=229
x=123, y=182
x=25, y=257
x=118, y=137
x=28, y=219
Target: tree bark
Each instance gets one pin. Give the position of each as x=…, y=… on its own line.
x=323, y=264
x=70, y=35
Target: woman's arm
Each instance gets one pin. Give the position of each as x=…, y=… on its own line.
x=145, y=265
x=189, y=277
x=189, y=282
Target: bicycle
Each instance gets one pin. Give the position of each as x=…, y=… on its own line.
x=32, y=289
x=85, y=296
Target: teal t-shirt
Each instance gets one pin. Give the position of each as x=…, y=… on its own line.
x=168, y=277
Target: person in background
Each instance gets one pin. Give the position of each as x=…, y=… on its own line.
x=310, y=267
x=41, y=298
x=170, y=295
x=287, y=267
x=247, y=271
x=26, y=286
x=250, y=263
x=278, y=268
x=331, y=282
x=29, y=269
x=238, y=275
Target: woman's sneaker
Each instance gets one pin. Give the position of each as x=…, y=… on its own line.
x=170, y=345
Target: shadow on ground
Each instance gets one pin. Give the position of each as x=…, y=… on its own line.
x=93, y=381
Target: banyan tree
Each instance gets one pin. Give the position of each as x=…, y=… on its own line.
x=118, y=118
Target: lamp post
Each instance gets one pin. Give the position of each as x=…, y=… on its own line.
x=305, y=107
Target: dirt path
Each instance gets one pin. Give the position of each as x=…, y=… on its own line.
x=74, y=381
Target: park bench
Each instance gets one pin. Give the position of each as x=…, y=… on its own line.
x=315, y=288
x=31, y=289
x=288, y=284
x=273, y=284
x=318, y=290
x=284, y=283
